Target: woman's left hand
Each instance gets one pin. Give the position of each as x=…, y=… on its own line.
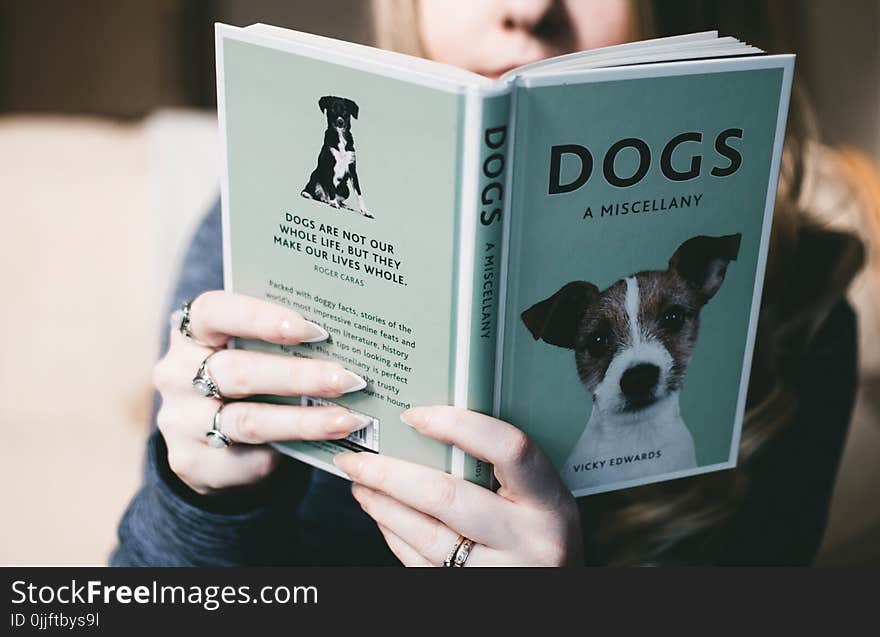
x=532, y=520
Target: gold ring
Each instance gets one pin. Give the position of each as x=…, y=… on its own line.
x=463, y=552
x=450, y=557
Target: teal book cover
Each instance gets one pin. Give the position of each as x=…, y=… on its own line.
x=638, y=229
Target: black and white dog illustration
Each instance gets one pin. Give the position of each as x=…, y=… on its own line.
x=336, y=161
x=632, y=345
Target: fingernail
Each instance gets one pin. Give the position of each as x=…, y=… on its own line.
x=412, y=417
x=348, y=382
x=340, y=460
x=304, y=331
x=315, y=333
x=404, y=420
x=360, y=493
x=353, y=422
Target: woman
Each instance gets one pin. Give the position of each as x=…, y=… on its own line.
x=248, y=505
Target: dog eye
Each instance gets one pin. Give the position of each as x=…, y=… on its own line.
x=598, y=342
x=673, y=318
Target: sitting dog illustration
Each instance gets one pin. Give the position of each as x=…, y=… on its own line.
x=632, y=344
x=336, y=161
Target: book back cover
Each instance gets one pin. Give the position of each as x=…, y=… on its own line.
x=339, y=202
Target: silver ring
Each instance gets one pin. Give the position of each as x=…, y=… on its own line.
x=463, y=552
x=202, y=381
x=216, y=438
x=185, y=319
x=450, y=557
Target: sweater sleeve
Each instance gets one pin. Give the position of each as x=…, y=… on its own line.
x=166, y=523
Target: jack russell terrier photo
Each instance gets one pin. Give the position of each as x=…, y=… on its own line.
x=632, y=344
x=336, y=161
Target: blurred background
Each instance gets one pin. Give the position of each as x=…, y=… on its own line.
x=108, y=157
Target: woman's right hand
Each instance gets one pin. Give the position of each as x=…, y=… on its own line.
x=186, y=416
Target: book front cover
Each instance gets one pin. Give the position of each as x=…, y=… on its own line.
x=340, y=204
x=641, y=208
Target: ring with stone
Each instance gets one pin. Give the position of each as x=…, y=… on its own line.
x=216, y=438
x=450, y=557
x=464, y=550
x=185, y=319
x=202, y=381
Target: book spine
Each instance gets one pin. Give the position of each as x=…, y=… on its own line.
x=485, y=258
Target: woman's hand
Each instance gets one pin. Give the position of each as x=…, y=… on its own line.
x=531, y=520
x=186, y=416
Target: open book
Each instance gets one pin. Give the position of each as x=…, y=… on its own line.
x=577, y=247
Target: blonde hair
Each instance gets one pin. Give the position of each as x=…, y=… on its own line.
x=396, y=26
x=679, y=520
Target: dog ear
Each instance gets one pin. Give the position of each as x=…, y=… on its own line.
x=702, y=262
x=324, y=102
x=352, y=107
x=555, y=320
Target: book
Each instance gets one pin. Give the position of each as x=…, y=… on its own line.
x=577, y=247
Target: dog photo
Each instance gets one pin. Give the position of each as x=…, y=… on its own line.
x=632, y=344
x=329, y=182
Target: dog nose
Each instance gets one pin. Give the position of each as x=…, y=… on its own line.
x=340, y=121
x=639, y=380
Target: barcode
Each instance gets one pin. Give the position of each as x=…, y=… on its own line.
x=368, y=437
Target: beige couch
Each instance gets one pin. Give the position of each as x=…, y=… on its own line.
x=95, y=215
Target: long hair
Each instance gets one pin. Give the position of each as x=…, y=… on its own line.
x=683, y=520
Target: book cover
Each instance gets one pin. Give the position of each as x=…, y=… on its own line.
x=378, y=269
x=639, y=217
